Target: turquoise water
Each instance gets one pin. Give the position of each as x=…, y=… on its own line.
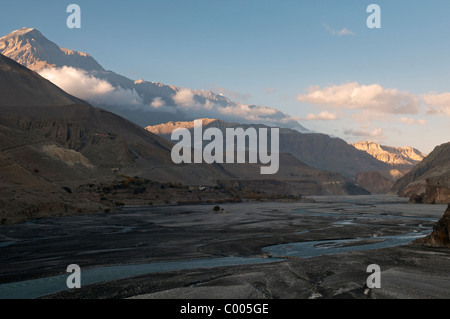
x=43, y=286
x=330, y=247
x=40, y=287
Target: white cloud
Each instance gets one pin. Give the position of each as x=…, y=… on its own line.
x=411, y=121
x=100, y=92
x=248, y=112
x=269, y=90
x=322, y=116
x=356, y=96
x=82, y=85
x=345, y=31
x=340, y=33
x=185, y=98
x=157, y=103
x=437, y=103
x=233, y=94
x=375, y=134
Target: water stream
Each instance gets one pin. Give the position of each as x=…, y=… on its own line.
x=44, y=286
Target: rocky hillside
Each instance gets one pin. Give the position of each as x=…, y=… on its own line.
x=316, y=150
x=59, y=155
x=30, y=48
x=440, y=237
x=52, y=142
x=379, y=182
x=429, y=181
x=397, y=157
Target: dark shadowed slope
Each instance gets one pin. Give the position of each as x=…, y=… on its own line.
x=429, y=181
x=20, y=87
x=51, y=143
x=316, y=150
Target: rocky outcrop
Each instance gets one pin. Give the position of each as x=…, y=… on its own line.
x=428, y=181
x=436, y=192
x=398, y=157
x=440, y=237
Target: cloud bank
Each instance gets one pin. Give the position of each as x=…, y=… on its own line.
x=84, y=86
x=365, y=97
x=438, y=103
x=192, y=103
x=322, y=116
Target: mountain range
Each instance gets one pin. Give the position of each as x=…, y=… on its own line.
x=317, y=150
x=60, y=155
x=30, y=48
x=40, y=120
x=52, y=142
x=143, y=102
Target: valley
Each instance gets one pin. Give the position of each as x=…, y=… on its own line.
x=246, y=250
x=246, y=202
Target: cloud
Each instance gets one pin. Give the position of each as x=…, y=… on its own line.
x=80, y=84
x=233, y=94
x=157, y=103
x=322, y=116
x=185, y=98
x=249, y=112
x=356, y=96
x=411, y=121
x=437, y=103
x=340, y=33
x=187, y=102
x=345, y=31
x=376, y=133
x=269, y=90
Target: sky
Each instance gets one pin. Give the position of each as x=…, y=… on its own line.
x=315, y=60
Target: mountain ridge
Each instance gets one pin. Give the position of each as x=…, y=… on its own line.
x=29, y=47
x=159, y=100
x=397, y=157
x=62, y=156
x=314, y=149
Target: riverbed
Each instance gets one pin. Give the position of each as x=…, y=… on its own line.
x=142, y=242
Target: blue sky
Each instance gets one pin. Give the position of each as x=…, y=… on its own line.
x=270, y=52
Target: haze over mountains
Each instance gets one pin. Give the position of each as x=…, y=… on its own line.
x=145, y=103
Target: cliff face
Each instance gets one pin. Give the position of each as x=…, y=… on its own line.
x=379, y=182
x=440, y=237
x=429, y=181
x=398, y=157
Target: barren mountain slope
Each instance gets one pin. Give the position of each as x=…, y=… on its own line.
x=429, y=181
